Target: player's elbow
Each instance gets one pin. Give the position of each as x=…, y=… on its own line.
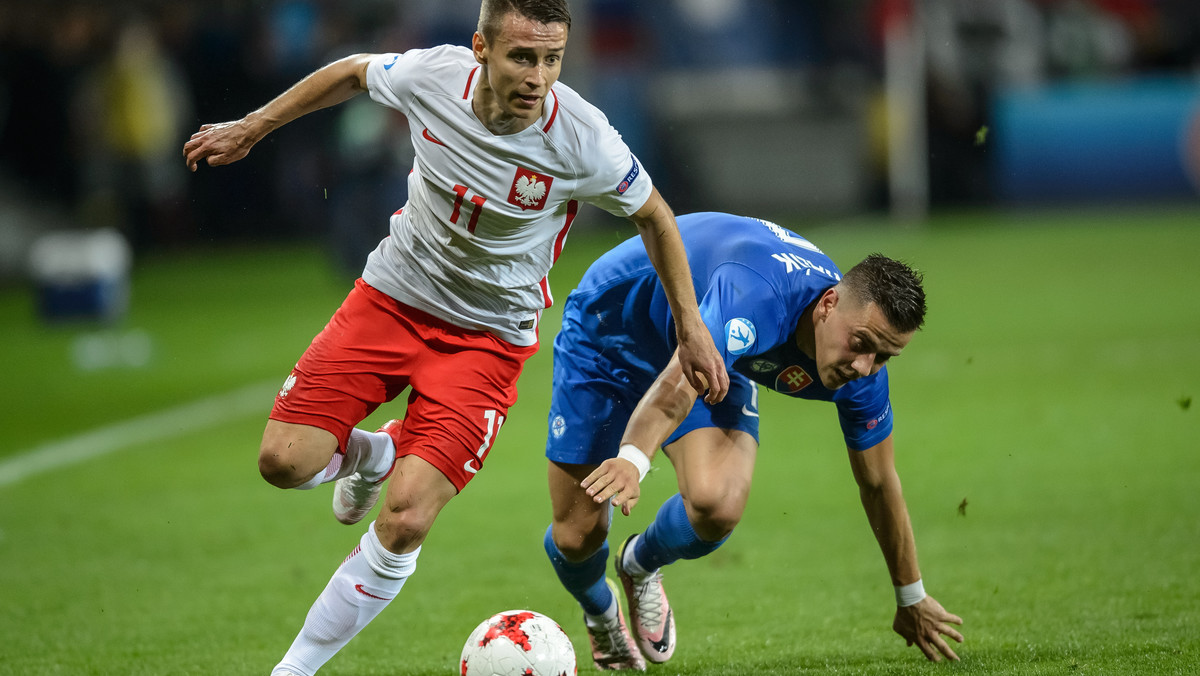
x=353, y=69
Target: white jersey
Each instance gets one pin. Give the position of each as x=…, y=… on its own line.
x=487, y=215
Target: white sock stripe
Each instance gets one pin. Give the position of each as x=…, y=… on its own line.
x=330, y=473
x=337, y=468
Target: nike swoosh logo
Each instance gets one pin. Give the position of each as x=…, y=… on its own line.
x=747, y=411
x=467, y=466
x=389, y=64
x=359, y=588
x=663, y=643
x=431, y=137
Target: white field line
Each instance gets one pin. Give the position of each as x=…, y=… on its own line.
x=158, y=426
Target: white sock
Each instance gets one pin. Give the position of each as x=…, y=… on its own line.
x=330, y=473
x=360, y=589
x=630, y=562
x=368, y=453
x=605, y=617
x=372, y=454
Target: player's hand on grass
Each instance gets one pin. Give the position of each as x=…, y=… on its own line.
x=219, y=144
x=702, y=363
x=616, y=479
x=925, y=623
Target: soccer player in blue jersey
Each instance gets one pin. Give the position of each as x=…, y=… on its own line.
x=784, y=317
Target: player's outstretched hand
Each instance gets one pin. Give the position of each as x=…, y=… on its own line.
x=702, y=363
x=925, y=623
x=219, y=144
x=615, y=479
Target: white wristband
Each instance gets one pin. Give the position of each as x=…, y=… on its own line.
x=910, y=594
x=635, y=455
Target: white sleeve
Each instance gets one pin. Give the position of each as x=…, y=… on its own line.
x=390, y=78
x=613, y=178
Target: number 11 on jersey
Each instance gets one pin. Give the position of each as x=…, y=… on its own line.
x=478, y=200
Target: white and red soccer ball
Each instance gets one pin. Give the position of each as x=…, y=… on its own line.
x=518, y=643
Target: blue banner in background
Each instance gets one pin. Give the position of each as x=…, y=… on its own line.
x=1127, y=140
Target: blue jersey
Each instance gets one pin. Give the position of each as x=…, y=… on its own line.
x=753, y=280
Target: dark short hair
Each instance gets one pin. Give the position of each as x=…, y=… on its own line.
x=891, y=285
x=492, y=12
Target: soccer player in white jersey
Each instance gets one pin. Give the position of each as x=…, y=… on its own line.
x=449, y=304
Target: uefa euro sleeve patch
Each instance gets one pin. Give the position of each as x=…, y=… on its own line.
x=629, y=178
x=739, y=335
x=874, y=422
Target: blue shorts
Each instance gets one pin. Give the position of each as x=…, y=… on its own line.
x=597, y=384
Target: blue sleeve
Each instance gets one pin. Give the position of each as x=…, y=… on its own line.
x=743, y=313
x=865, y=411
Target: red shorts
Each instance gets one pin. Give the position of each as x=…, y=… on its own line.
x=463, y=382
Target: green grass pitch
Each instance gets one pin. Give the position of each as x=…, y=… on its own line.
x=1046, y=436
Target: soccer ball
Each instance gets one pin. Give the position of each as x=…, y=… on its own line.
x=518, y=643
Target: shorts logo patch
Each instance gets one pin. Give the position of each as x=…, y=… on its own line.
x=792, y=380
x=739, y=335
x=558, y=426
x=287, y=386
x=529, y=190
x=629, y=178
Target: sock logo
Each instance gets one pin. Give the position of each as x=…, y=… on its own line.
x=359, y=588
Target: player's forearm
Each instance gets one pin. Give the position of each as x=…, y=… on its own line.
x=325, y=87
x=888, y=516
x=661, y=410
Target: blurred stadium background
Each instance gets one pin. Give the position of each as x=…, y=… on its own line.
x=783, y=108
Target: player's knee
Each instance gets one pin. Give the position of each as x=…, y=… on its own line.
x=402, y=529
x=577, y=543
x=277, y=465
x=290, y=455
x=715, y=516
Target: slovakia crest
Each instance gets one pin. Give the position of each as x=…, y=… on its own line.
x=792, y=379
x=529, y=190
x=739, y=335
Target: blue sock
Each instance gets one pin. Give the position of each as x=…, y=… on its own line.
x=671, y=537
x=585, y=580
